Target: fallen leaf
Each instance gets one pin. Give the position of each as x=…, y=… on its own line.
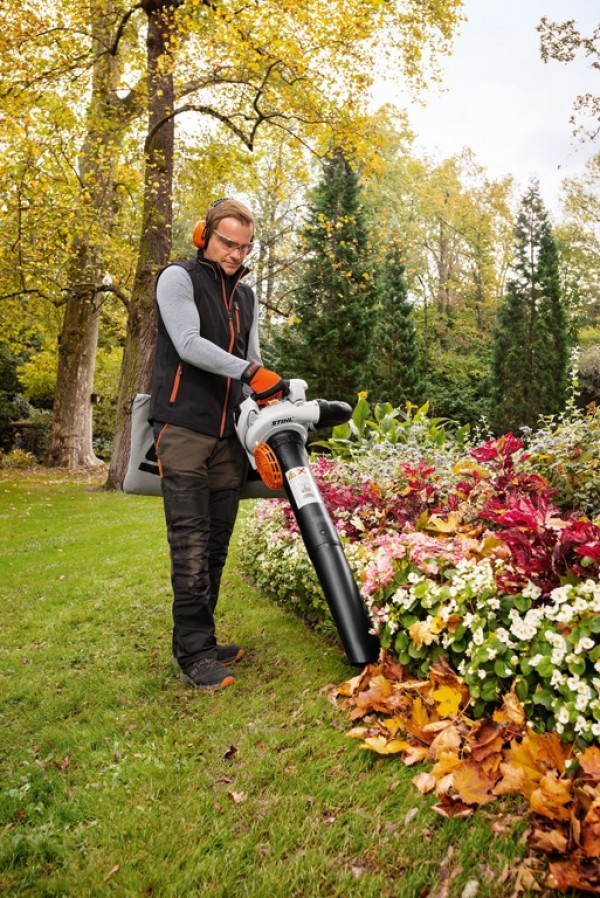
x=410, y=815
x=444, y=784
x=590, y=763
x=548, y=840
x=488, y=740
x=551, y=797
x=472, y=786
x=511, y=712
x=112, y=872
x=448, y=740
x=574, y=874
x=422, y=634
x=375, y=698
x=414, y=755
x=384, y=746
x=471, y=889
x=447, y=762
x=238, y=797
x=449, y=806
x=590, y=831
x=424, y=782
x=449, y=701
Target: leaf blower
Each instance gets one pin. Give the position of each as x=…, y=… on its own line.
x=275, y=439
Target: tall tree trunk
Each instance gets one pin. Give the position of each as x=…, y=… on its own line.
x=155, y=239
x=71, y=435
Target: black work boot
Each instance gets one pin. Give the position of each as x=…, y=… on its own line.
x=207, y=674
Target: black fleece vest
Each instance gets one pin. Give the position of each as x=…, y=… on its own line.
x=188, y=396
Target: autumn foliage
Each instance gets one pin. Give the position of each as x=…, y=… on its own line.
x=470, y=763
x=480, y=567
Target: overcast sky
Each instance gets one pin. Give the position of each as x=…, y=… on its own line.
x=502, y=101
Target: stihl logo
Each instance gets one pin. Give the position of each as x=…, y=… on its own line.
x=282, y=421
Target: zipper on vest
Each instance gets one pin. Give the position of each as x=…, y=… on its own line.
x=229, y=306
x=176, y=382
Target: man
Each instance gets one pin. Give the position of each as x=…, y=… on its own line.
x=207, y=348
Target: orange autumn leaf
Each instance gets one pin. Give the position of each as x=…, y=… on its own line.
x=551, y=841
x=552, y=753
x=590, y=831
x=375, y=698
x=441, y=674
x=551, y=796
x=472, y=785
x=575, y=874
x=447, y=762
x=590, y=763
x=447, y=741
x=521, y=773
x=450, y=806
x=511, y=713
x=488, y=740
x=513, y=781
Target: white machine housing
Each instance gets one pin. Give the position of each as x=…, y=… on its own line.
x=257, y=425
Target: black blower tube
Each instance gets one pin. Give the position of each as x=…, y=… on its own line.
x=326, y=553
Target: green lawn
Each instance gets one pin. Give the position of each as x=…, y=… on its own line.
x=117, y=780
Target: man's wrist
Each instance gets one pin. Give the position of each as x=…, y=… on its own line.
x=250, y=371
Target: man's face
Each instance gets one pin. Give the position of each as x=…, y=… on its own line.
x=229, y=244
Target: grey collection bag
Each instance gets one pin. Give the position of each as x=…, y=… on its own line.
x=142, y=477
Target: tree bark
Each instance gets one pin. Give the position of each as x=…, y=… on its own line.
x=155, y=238
x=71, y=435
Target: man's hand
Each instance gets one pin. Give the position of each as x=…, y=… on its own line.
x=266, y=386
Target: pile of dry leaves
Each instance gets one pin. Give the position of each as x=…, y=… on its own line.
x=474, y=762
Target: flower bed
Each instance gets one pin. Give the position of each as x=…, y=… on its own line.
x=484, y=556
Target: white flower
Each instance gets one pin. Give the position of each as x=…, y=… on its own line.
x=581, y=725
x=584, y=645
x=531, y=591
x=581, y=703
x=560, y=594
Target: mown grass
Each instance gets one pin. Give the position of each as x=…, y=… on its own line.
x=119, y=781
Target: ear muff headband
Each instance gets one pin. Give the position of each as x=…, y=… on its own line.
x=201, y=233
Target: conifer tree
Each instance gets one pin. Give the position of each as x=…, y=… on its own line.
x=397, y=363
x=530, y=351
x=330, y=344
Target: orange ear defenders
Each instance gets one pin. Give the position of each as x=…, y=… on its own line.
x=201, y=233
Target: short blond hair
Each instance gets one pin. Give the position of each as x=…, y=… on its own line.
x=228, y=208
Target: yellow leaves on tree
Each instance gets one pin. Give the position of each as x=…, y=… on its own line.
x=476, y=762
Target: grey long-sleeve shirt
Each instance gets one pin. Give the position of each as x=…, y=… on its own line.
x=175, y=297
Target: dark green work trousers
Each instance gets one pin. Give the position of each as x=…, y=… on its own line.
x=201, y=481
